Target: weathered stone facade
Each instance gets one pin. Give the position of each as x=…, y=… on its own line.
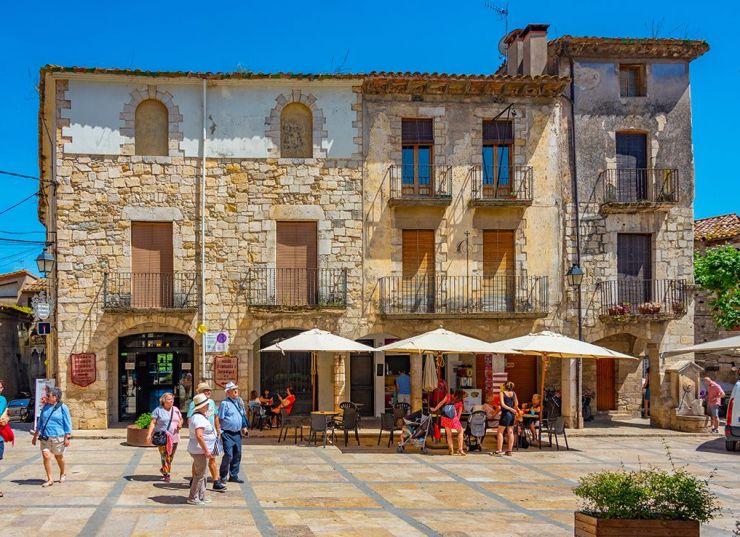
x=345, y=187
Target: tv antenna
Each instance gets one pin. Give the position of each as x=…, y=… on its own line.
x=502, y=12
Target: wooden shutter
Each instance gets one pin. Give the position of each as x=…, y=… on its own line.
x=498, y=132
x=498, y=253
x=297, y=262
x=631, y=150
x=418, y=252
x=522, y=371
x=417, y=131
x=605, y=384
x=152, y=276
x=634, y=267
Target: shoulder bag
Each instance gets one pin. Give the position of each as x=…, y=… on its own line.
x=42, y=436
x=160, y=437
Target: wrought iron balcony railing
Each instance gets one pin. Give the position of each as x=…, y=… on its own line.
x=296, y=288
x=506, y=186
x=461, y=295
x=421, y=183
x=625, y=298
x=150, y=291
x=646, y=186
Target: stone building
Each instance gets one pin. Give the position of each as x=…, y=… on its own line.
x=723, y=230
x=373, y=205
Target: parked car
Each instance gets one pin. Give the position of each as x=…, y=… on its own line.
x=20, y=408
x=732, y=428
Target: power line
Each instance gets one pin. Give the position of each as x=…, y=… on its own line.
x=5, y=240
x=21, y=175
x=17, y=204
x=22, y=232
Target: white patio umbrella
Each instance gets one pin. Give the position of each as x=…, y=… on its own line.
x=439, y=341
x=429, y=378
x=315, y=341
x=726, y=344
x=548, y=345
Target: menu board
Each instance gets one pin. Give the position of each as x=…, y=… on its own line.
x=83, y=370
x=224, y=370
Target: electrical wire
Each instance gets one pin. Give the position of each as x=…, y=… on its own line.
x=20, y=202
x=20, y=175
x=5, y=240
x=22, y=232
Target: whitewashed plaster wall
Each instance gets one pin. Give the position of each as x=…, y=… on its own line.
x=235, y=116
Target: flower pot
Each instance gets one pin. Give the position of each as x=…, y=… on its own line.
x=137, y=437
x=588, y=526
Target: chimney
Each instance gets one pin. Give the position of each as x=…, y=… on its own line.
x=534, y=49
x=514, y=48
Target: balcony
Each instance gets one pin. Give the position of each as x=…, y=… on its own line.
x=639, y=189
x=420, y=186
x=463, y=296
x=644, y=300
x=127, y=291
x=514, y=190
x=279, y=288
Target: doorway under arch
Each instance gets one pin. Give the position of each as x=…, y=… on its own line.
x=295, y=369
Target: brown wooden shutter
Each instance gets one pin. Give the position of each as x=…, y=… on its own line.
x=605, y=384
x=498, y=253
x=522, y=371
x=297, y=261
x=417, y=131
x=152, y=276
x=498, y=132
x=418, y=252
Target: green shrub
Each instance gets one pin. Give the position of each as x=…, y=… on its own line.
x=143, y=421
x=647, y=494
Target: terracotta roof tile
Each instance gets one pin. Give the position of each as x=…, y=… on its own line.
x=21, y=272
x=629, y=47
x=34, y=286
x=725, y=226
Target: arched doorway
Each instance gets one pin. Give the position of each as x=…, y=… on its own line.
x=150, y=365
x=278, y=371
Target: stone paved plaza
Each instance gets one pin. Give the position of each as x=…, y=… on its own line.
x=113, y=489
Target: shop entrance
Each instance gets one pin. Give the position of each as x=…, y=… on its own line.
x=362, y=379
x=278, y=371
x=150, y=365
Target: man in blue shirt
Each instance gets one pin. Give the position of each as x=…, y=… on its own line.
x=4, y=419
x=233, y=420
x=403, y=388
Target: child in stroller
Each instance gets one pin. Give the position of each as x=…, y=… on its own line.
x=415, y=430
x=475, y=431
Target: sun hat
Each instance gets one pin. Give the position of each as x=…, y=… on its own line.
x=200, y=400
x=230, y=386
x=203, y=386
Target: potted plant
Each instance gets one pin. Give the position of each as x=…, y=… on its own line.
x=136, y=433
x=618, y=310
x=648, y=502
x=649, y=308
x=679, y=308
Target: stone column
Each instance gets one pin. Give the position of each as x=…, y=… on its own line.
x=658, y=411
x=339, y=380
x=568, y=389
x=416, y=380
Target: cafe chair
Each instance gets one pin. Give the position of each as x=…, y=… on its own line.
x=388, y=423
x=288, y=422
x=350, y=423
x=556, y=427
x=321, y=423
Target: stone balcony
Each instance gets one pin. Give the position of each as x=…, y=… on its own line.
x=634, y=190
x=643, y=300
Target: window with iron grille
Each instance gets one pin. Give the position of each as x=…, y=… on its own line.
x=417, y=140
x=498, y=156
x=632, y=80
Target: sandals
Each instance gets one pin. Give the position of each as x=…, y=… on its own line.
x=508, y=454
x=47, y=484
x=462, y=453
x=497, y=453
x=62, y=478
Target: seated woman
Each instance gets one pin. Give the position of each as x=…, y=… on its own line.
x=286, y=403
x=530, y=415
x=267, y=400
x=492, y=408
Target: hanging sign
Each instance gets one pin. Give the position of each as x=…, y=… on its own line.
x=83, y=369
x=41, y=305
x=224, y=370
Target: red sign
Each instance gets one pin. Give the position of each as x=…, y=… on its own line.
x=224, y=370
x=83, y=369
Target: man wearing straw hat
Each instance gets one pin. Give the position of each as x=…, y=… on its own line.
x=212, y=415
x=233, y=425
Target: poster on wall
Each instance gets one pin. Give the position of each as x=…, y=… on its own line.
x=83, y=371
x=217, y=342
x=42, y=390
x=224, y=370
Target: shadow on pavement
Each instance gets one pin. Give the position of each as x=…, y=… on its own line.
x=170, y=500
x=35, y=482
x=716, y=445
x=143, y=478
x=172, y=486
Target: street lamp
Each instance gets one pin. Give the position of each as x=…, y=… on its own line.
x=575, y=276
x=45, y=262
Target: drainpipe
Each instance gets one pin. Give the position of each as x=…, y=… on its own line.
x=203, y=238
x=579, y=368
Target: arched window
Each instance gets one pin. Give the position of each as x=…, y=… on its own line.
x=296, y=131
x=151, y=129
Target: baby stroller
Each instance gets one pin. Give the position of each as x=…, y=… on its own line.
x=417, y=427
x=475, y=431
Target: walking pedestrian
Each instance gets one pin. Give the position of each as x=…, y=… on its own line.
x=233, y=424
x=201, y=445
x=509, y=406
x=714, y=401
x=164, y=432
x=54, y=433
x=211, y=415
x=452, y=407
x=4, y=419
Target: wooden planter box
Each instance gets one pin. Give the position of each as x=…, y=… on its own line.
x=137, y=437
x=588, y=526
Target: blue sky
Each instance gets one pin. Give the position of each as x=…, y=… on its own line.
x=326, y=36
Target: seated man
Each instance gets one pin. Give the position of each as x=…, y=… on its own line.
x=286, y=403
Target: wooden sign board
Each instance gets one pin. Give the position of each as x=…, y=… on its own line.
x=224, y=370
x=83, y=369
